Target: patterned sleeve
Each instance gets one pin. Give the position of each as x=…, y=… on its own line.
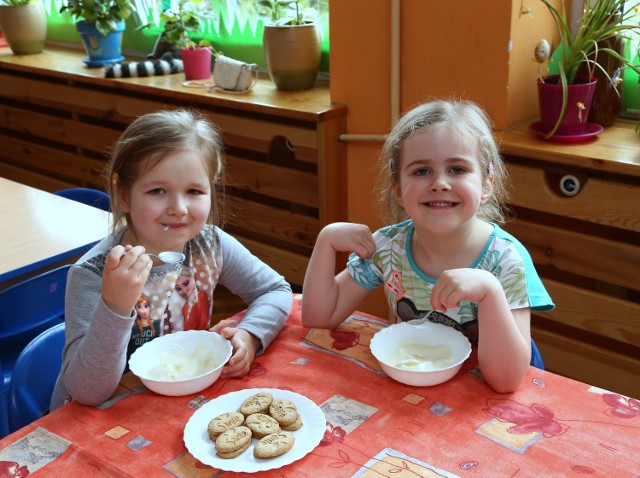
x=365, y=272
x=520, y=281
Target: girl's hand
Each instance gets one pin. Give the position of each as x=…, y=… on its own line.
x=460, y=284
x=244, y=346
x=125, y=272
x=348, y=237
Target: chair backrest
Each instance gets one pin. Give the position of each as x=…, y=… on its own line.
x=36, y=303
x=91, y=197
x=536, y=358
x=27, y=309
x=34, y=377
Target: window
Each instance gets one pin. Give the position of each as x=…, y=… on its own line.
x=630, y=79
x=236, y=30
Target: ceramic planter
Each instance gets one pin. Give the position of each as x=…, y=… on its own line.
x=580, y=96
x=197, y=63
x=100, y=48
x=24, y=27
x=292, y=53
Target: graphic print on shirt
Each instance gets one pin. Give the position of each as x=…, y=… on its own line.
x=406, y=310
x=172, y=301
x=144, y=327
x=196, y=313
x=394, y=285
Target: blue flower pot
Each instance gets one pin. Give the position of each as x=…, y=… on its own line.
x=101, y=49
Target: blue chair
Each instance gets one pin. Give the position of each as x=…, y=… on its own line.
x=536, y=358
x=91, y=197
x=34, y=377
x=27, y=309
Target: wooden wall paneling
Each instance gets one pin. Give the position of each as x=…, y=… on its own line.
x=53, y=162
x=587, y=250
x=602, y=367
x=597, y=313
x=598, y=201
x=55, y=128
x=274, y=181
x=36, y=180
x=292, y=265
x=274, y=225
x=589, y=256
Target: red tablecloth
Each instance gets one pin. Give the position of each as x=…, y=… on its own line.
x=552, y=426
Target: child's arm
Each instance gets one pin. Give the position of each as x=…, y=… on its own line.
x=98, y=317
x=327, y=299
x=504, y=343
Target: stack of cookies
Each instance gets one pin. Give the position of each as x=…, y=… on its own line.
x=260, y=416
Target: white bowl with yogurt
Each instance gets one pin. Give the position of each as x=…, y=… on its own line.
x=181, y=363
x=420, y=354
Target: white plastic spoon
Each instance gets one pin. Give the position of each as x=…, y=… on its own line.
x=168, y=257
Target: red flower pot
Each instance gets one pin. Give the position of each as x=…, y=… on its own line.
x=197, y=63
x=579, y=99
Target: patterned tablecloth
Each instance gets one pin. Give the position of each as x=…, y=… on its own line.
x=552, y=426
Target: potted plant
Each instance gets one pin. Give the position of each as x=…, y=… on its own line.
x=24, y=25
x=179, y=25
x=100, y=24
x=582, y=51
x=292, y=43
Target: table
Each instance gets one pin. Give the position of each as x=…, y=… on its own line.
x=552, y=426
x=39, y=229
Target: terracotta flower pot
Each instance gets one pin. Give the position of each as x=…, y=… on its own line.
x=24, y=27
x=292, y=53
x=580, y=96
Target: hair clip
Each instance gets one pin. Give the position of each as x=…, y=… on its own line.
x=490, y=169
x=114, y=180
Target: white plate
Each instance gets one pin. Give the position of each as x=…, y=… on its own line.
x=197, y=440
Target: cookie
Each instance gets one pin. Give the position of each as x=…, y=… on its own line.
x=274, y=445
x=261, y=425
x=224, y=422
x=295, y=425
x=258, y=403
x=284, y=411
x=233, y=442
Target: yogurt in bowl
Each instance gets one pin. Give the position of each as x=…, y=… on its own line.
x=420, y=354
x=181, y=363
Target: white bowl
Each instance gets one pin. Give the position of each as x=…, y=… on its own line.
x=181, y=363
x=441, y=352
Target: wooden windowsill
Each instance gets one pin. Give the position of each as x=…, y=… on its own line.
x=616, y=150
x=66, y=64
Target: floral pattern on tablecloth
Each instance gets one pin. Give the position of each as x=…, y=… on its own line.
x=349, y=341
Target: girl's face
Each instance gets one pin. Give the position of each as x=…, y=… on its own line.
x=440, y=182
x=169, y=203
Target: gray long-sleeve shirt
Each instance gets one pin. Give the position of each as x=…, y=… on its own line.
x=99, y=341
